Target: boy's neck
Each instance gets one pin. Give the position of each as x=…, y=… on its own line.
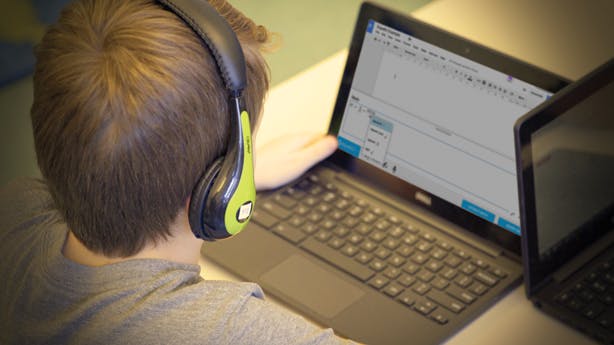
x=182, y=246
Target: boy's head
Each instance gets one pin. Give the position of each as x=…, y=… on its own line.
x=129, y=109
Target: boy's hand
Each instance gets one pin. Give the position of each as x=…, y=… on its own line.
x=286, y=158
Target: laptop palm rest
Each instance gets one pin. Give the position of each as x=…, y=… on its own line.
x=299, y=279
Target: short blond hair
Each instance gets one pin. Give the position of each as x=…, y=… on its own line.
x=129, y=109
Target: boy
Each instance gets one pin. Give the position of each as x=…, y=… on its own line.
x=128, y=110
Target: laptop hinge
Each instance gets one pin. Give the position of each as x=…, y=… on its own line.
x=440, y=224
x=584, y=257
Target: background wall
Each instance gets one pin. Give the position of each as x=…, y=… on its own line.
x=308, y=32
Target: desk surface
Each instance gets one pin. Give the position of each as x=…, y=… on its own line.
x=304, y=103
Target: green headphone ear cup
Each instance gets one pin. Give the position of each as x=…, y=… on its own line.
x=241, y=203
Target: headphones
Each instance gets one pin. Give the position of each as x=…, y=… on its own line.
x=223, y=198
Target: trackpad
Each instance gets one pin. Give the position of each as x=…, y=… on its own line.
x=310, y=285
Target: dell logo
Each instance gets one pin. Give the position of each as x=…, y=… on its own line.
x=423, y=198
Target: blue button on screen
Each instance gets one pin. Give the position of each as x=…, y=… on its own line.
x=348, y=146
x=478, y=211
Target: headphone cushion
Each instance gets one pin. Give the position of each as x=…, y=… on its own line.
x=199, y=198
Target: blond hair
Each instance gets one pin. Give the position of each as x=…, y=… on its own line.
x=129, y=109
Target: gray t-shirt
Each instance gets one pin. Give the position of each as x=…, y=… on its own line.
x=46, y=298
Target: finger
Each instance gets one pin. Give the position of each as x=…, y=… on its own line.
x=318, y=149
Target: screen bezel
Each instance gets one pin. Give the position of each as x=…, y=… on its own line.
x=455, y=44
x=537, y=268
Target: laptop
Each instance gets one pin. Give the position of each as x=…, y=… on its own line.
x=411, y=229
x=566, y=179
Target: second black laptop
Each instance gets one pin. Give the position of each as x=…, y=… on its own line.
x=566, y=181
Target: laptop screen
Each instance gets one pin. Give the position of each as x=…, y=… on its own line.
x=437, y=120
x=566, y=167
x=573, y=169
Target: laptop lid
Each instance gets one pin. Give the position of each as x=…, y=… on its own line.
x=428, y=116
x=565, y=151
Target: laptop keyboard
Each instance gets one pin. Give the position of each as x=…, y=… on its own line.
x=402, y=261
x=593, y=295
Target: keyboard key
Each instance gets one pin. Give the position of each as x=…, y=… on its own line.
x=332, y=256
x=478, y=289
x=368, y=218
x=393, y=290
x=289, y=232
x=379, y=281
x=462, y=254
x=363, y=257
x=392, y=272
x=440, y=316
x=445, y=301
x=448, y=273
x=328, y=224
x=355, y=238
x=405, y=250
x=445, y=246
x=419, y=258
x=411, y=268
x=336, y=215
x=322, y=235
x=349, y=250
x=497, y=272
x=363, y=229
x=424, y=247
x=461, y=294
x=368, y=246
x=409, y=239
x=424, y=307
x=391, y=243
x=428, y=237
x=593, y=310
x=350, y=222
x=425, y=276
x=468, y=268
x=336, y=243
x=377, y=236
x=264, y=218
x=377, y=265
x=275, y=209
x=486, y=278
x=296, y=221
x=342, y=204
x=355, y=211
x=315, y=217
x=606, y=319
x=452, y=261
x=434, y=266
x=463, y=280
x=382, y=224
x=309, y=228
x=411, y=228
x=341, y=231
x=439, y=254
x=408, y=298
x=406, y=280
x=397, y=232
x=302, y=210
x=421, y=288
x=382, y=253
x=329, y=197
x=483, y=265
x=396, y=260
x=440, y=283
x=285, y=201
